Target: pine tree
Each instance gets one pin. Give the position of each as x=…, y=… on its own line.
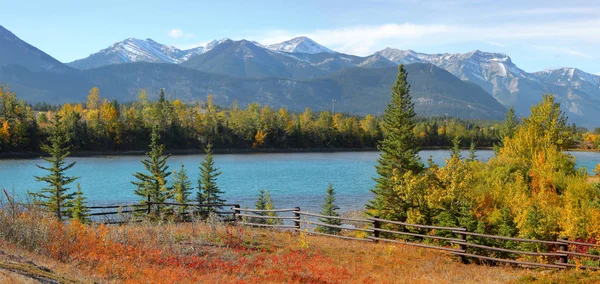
x=80, y=212
x=56, y=197
x=208, y=190
x=399, y=151
x=260, y=204
x=455, y=150
x=329, y=209
x=472, y=152
x=182, y=188
x=270, y=205
x=507, y=129
x=152, y=186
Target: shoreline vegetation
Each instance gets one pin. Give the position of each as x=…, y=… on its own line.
x=181, y=152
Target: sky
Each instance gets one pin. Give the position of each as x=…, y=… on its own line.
x=537, y=35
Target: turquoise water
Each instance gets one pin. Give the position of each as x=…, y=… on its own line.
x=297, y=179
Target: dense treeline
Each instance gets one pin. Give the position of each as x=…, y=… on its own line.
x=529, y=189
x=102, y=125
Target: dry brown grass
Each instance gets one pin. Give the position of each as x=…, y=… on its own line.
x=216, y=253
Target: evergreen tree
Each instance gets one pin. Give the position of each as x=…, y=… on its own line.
x=270, y=205
x=260, y=204
x=329, y=209
x=56, y=197
x=399, y=151
x=152, y=186
x=208, y=190
x=507, y=129
x=455, y=150
x=182, y=188
x=265, y=202
x=472, y=152
x=80, y=212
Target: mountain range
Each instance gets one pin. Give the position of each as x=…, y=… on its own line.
x=296, y=74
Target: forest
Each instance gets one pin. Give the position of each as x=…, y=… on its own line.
x=103, y=125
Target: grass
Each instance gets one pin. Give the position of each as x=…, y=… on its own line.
x=217, y=253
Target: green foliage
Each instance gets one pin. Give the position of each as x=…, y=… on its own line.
x=399, y=151
x=265, y=202
x=455, y=150
x=56, y=197
x=509, y=127
x=153, y=186
x=79, y=211
x=472, y=152
x=208, y=190
x=329, y=208
x=18, y=126
x=182, y=188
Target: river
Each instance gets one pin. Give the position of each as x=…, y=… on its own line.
x=294, y=179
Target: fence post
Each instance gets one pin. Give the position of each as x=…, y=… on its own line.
x=149, y=207
x=376, y=225
x=563, y=247
x=236, y=212
x=463, y=247
x=297, y=220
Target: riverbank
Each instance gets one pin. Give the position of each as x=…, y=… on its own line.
x=82, y=154
x=27, y=155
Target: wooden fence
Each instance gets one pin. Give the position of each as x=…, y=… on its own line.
x=468, y=246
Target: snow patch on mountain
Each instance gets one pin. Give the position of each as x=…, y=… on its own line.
x=299, y=45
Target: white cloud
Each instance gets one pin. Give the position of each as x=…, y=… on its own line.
x=555, y=11
x=495, y=43
x=364, y=40
x=360, y=40
x=562, y=51
x=178, y=33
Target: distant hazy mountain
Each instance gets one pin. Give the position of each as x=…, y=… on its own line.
x=300, y=45
x=296, y=74
x=357, y=90
x=137, y=50
x=577, y=91
x=246, y=59
x=14, y=51
x=435, y=92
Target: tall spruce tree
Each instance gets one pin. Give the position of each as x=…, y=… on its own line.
x=329, y=209
x=270, y=205
x=265, y=202
x=260, y=204
x=472, y=152
x=79, y=211
x=455, y=150
x=399, y=151
x=507, y=129
x=208, y=190
x=56, y=197
x=153, y=186
x=182, y=188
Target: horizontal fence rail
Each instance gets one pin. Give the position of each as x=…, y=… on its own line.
x=334, y=217
x=336, y=226
x=263, y=211
x=370, y=230
x=507, y=238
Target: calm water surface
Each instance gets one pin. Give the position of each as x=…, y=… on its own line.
x=298, y=179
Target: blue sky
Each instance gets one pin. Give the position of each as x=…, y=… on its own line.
x=537, y=35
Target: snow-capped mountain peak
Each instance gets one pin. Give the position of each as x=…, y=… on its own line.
x=300, y=45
